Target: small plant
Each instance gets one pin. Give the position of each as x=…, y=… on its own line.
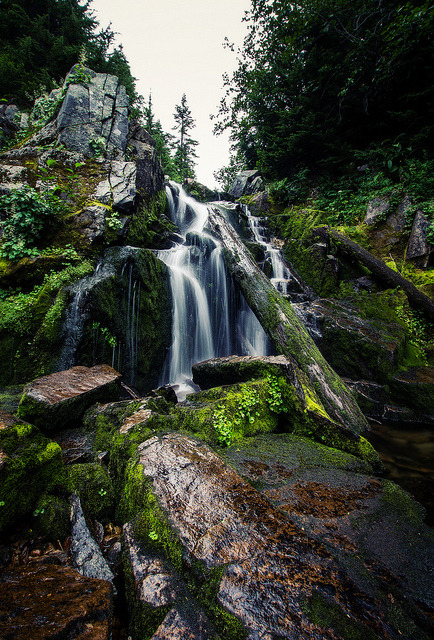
x=2, y=503
x=80, y=76
x=153, y=535
x=27, y=213
x=113, y=221
x=102, y=492
x=98, y=146
x=38, y=512
x=274, y=397
x=223, y=426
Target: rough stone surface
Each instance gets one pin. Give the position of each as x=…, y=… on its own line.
x=123, y=184
x=61, y=398
x=260, y=203
x=377, y=209
x=232, y=369
x=154, y=581
x=185, y=624
x=278, y=573
x=241, y=186
x=91, y=222
x=96, y=110
x=418, y=246
x=41, y=601
x=86, y=554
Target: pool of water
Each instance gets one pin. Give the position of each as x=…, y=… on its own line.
x=408, y=453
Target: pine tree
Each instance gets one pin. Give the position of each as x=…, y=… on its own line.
x=162, y=139
x=184, y=145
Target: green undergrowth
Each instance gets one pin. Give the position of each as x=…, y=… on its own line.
x=150, y=225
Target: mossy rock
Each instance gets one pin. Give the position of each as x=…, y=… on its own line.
x=51, y=518
x=95, y=489
x=30, y=463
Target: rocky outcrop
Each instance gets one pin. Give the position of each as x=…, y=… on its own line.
x=220, y=520
x=60, y=399
x=246, y=183
x=419, y=249
x=377, y=210
x=94, y=114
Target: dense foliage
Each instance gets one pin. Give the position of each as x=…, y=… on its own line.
x=40, y=40
x=324, y=83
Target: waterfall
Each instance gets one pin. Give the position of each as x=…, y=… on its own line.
x=209, y=317
x=282, y=278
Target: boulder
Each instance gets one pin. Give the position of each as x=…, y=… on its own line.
x=85, y=552
x=122, y=181
x=419, y=249
x=90, y=221
x=60, y=399
x=282, y=577
x=260, y=203
x=41, y=601
x=246, y=183
x=377, y=209
x=94, y=114
x=414, y=388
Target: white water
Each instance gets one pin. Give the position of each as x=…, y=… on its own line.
x=282, y=278
x=209, y=318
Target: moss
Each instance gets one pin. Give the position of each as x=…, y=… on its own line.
x=154, y=531
x=31, y=464
x=132, y=499
x=94, y=488
x=326, y=614
x=51, y=518
x=148, y=226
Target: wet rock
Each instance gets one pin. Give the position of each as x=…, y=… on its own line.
x=86, y=554
x=355, y=347
x=371, y=397
x=377, y=209
x=184, y=624
x=154, y=581
x=415, y=389
x=246, y=183
x=232, y=369
x=277, y=574
x=419, y=249
x=42, y=601
x=95, y=112
x=260, y=203
x=60, y=399
x=76, y=446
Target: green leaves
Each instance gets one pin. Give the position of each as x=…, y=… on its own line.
x=26, y=214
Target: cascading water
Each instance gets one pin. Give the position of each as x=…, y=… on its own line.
x=282, y=277
x=209, y=317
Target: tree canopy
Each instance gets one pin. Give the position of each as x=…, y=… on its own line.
x=40, y=40
x=319, y=79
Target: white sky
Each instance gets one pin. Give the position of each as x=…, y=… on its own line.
x=176, y=47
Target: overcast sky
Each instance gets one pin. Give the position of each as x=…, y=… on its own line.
x=176, y=47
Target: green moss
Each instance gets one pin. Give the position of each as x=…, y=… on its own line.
x=326, y=614
x=154, y=531
x=51, y=518
x=94, y=488
x=132, y=499
x=32, y=463
x=148, y=225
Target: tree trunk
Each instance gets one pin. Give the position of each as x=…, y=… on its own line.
x=285, y=330
x=382, y=271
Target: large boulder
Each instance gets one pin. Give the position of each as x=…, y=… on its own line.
x=246, y=183
x=295, y=567
x=60, y=399
x=376, y=210
x=94, y=114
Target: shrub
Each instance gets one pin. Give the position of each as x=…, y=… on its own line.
x=27, y=214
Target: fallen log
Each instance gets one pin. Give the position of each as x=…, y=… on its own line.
x=381, y=271
x=286, y=331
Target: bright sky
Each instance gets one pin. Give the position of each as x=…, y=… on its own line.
x=176, y=47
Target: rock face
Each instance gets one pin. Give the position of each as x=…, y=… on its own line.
x=419, y=249
x=86, y=554
x=283, y=577
x=50, y=601
x=94, y=114
x=60, y=399
x=246, y=183
x=377, y=209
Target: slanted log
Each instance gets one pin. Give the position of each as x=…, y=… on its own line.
x=286, y=331
x=381, y=271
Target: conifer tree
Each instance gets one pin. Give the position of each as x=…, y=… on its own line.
x=184, y=144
